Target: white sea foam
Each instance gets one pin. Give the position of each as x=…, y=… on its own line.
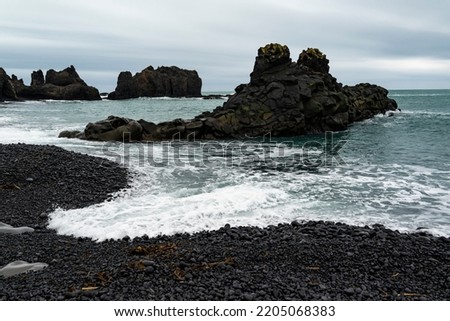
x=169, y=213
x=53, y=101
x=9, y=135
x=28, y=102
x=419, y=95
x=426, y=113
x=5, y=120
x=158, y=205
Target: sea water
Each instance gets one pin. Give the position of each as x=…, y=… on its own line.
x=392, y=169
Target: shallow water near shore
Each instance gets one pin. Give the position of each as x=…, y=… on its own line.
x=387, y=170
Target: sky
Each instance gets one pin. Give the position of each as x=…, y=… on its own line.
x=396, y=44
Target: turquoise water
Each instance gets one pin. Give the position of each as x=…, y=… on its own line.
x=390, y=170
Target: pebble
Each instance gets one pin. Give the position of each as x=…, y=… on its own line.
x=249, y=296
x=149, y=270
x=148, y=263
x=295, y=224
x=349, y=291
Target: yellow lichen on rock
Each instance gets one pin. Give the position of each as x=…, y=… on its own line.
x=274, y=51
x=312, y=53
x=314, y=59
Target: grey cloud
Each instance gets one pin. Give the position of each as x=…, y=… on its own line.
x=220, y=38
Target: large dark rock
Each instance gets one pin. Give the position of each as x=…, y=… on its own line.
x=283, y=98
x=126, y=87
x=287, y=99
x=64, y=77
x=49, y=91
x=7, y=91
x=164, y=81
x=366, y=100
x=58, y=85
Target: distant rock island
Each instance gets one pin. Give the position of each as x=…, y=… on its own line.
x=58, y=85
x=160, y=82
x=67, y=85
x=283, y=97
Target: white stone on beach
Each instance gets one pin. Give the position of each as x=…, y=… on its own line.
x=18, y=267
x=8, y=229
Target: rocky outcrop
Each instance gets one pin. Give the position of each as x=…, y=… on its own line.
x=111, y=129
x=57, y=85
x=162, y=82
x=37, y=78
x=66, y=77
x=289, y=98
x=283, y=98
x=366, y=101
x=72, y=134
x=114, y=129
x=7, y=91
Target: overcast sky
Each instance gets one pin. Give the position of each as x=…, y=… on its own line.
x=396, y=44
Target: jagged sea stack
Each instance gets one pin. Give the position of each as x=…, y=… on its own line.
x=289, y=98
x=7, y=91
x=58, y=85
x=160, y=82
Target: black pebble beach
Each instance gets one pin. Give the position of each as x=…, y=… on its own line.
x=298, y=261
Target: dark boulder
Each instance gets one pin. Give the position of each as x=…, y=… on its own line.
x=114, y=129
x=7, y=91
x=215, y=96
x=147, y=127
x=283, y=98
x=57, y=85
x=367, y=100
x=71, y=134
x=164, y=81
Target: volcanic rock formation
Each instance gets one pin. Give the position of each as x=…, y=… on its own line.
x=57, y=85
x=283, y=98
x=7, y=91
x=162, y=82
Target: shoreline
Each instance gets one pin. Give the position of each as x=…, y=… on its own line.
x=300, y=261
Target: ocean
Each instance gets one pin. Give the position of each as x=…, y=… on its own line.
x=391, y=170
